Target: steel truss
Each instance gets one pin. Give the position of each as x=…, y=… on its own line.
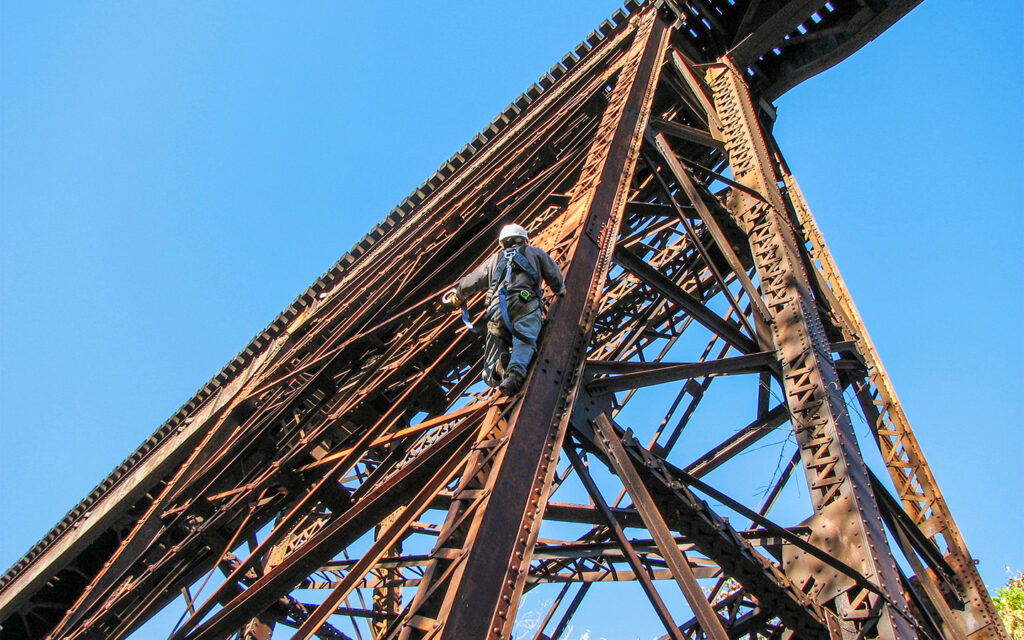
x=353, y=477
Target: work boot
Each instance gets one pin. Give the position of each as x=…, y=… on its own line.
x=512, y=383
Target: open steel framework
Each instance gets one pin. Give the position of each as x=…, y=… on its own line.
x=346, y=475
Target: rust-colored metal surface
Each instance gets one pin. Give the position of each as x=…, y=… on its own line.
x=348, y=476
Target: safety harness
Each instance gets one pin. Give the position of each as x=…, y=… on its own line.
x=511, y=257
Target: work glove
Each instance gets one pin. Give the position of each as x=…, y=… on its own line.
x=451, y=298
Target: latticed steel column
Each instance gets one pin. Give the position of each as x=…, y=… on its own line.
x=847, y=522
x=387, y=595
x=918, y=491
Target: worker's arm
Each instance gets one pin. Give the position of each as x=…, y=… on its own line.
x=551, y=273
x=478, y=280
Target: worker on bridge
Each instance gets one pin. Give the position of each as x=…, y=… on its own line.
x=512, y=277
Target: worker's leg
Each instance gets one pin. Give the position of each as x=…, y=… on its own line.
x=496, y=347
x=528, y=326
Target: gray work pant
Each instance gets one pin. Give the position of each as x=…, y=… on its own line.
x=500, y=345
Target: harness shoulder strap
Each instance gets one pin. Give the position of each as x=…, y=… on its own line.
x=517, y=258
x=500, y=269
x=527, y=268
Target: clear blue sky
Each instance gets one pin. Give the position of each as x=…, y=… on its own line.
x=174, y=174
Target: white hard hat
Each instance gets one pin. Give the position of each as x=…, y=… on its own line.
x=513, y=231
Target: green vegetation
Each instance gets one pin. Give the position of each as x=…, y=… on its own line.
x=1009, y=603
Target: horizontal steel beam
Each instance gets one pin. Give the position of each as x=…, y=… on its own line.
x=644, y=374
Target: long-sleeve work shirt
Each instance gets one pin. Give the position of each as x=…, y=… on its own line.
x=481, y=277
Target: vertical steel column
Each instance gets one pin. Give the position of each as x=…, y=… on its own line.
x=387, y=595
x=484, y=596
x=847, y=522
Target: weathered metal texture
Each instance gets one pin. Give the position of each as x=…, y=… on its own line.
x=387, y=593
x=847, y=522
x=351, y=453
x=508, y=527
x=915, y=484
x=789, y=43
x=667, y=499
x=810, y=43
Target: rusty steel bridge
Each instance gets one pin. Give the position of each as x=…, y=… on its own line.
x=346, y=474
